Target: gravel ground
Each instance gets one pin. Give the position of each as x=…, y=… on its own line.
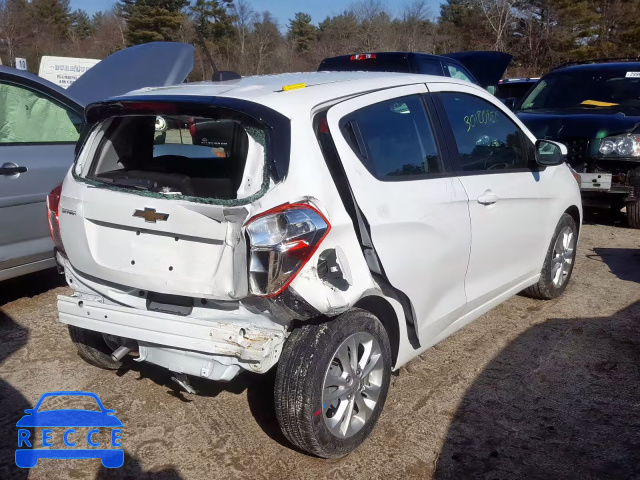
x=531, y=390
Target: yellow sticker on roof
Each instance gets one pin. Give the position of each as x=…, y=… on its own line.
x=294, y=86
x=597, y=103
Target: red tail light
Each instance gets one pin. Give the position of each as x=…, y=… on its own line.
x=282, y=240
x=53, y=205
x=363, y=56
x=192, y=127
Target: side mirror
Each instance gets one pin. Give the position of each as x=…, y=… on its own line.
x=510, y=103
x=549, y=153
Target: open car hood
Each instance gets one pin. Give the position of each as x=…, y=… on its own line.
x=487, y=67
x=153, y=64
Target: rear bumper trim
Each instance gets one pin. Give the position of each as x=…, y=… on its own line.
x=244, y=340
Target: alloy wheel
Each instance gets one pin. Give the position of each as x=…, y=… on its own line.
x=562, y=258
x=352, y=384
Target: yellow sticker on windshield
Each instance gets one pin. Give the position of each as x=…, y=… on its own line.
x=597, y=103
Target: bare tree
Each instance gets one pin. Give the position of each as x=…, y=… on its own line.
x=244, y=17
x=13, y=34
x=416, y=30
x=499, y=15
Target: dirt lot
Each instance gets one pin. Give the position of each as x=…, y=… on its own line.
x=531, y=390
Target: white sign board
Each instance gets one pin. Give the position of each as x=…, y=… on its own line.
x=63, y=71
x=21, y=63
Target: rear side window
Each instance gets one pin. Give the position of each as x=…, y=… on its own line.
x=394, y=139
x=486, y=138
x=456, y=71
x=180, y=156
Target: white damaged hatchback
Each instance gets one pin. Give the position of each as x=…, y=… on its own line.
x=334, y=224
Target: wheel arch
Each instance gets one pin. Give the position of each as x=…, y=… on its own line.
x=382, y=309
x=574, y=212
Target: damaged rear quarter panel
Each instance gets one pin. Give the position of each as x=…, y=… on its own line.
x=310, y=178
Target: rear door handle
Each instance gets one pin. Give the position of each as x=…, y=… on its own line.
x=488, y=198
x=12, y=170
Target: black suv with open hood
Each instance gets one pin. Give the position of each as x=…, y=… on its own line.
x=594, y=109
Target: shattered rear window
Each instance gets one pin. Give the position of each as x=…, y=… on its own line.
x=179, y=156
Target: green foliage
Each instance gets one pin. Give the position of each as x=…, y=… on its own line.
x=153, y=20
x=54, y=15
x=539, y=33
x=302, y=33
x=211, y=20
x=81, y=25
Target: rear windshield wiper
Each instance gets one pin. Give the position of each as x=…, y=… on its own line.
x=140, y=183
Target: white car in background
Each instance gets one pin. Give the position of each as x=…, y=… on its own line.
x=334, y=224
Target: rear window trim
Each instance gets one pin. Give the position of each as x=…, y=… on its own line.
x=278, y=153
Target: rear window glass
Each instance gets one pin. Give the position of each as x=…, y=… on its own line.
x=381, y=63
x=428, y=66
x=456, y=71
x=178, y=155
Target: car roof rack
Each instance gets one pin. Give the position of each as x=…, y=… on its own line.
x=597, y=60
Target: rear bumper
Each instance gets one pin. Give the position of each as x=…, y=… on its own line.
x=255, y=347
x=605, y=198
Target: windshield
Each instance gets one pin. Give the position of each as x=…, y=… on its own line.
x=585, y=89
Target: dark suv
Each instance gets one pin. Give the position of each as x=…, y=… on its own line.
x=594, y=109
x=482, y=68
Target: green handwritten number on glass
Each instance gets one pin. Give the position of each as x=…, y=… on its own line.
x=481, y=116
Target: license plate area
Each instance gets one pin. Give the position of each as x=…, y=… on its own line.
x=595, y=181
x=173, y=304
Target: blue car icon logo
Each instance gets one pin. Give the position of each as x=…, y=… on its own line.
x=65, y=422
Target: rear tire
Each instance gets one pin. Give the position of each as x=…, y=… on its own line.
x=315, y=390
x=558, y=263
x=92, y=348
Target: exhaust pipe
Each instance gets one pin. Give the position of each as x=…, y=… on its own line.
x=119, y=353
x=182, y=380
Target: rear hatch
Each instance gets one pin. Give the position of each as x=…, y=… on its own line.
x=152, y=206
x=487, y=67
x=152, y=64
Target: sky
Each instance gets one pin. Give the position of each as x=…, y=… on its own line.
x=283, y=10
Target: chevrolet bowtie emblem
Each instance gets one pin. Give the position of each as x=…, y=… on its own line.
x=150, y=215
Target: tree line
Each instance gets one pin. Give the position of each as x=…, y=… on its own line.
x=231, y=35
